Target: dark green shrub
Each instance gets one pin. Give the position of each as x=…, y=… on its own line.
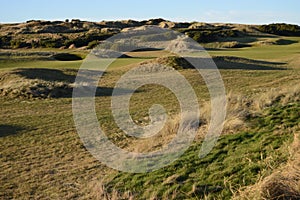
x=211, y=35
x=51, y=43
x=202, y=36
x=34, y=44
x=5, y=41
x=93, y=44
x=85, y=39
x=17, y=43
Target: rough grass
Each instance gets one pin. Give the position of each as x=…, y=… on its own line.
x=37, y=83
x=241, y=108
x=237, y=160
x=283, y=183
x=69, y=167
x=42, y=157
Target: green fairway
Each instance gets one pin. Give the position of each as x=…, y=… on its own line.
x=264, y=52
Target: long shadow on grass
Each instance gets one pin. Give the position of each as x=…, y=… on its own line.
x=56, y=83
x=285, y=42
x=6, y=130
x=227, y=62
x=68, y=75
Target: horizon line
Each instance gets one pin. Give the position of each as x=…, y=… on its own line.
x=147, y=19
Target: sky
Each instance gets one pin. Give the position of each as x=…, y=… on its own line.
x=230, y=11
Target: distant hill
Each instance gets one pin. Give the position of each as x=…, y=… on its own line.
x=76, y=33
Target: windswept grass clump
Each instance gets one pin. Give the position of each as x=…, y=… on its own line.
x=242, y=108
x=98, y=191
x=283, y=183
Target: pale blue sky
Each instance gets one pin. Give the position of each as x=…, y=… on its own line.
x=236, y=11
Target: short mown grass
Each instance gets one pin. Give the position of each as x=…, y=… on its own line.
x=263, y=52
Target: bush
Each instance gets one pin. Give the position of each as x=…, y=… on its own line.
x=51, y=43
x=202, y=36
x=85, y=39
x=211, y=36
x=19, y=44
x=93, y=44
x=5, y=41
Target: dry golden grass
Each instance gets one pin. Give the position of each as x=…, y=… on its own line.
x=241, y=107
x=98, y=191
x=163, y=137
x=283, y=183
x=283, y=95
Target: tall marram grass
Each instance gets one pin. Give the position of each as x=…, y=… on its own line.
x=240, y=108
